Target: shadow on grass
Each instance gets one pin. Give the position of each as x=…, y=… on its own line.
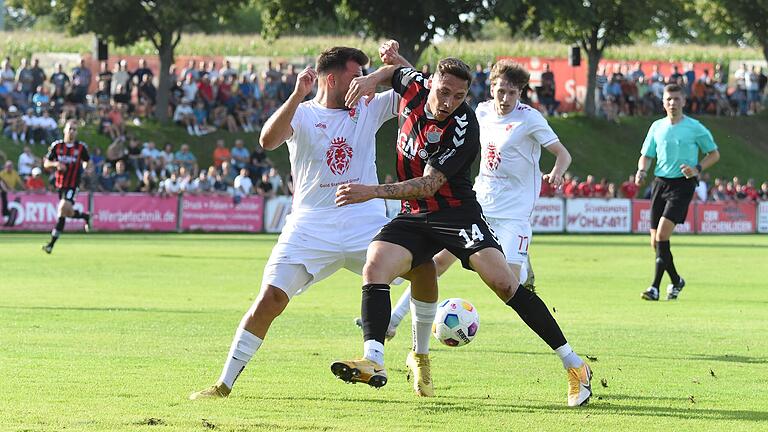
x=644, y=243
x=106, y=309
x=476, y=404
x=730, y=358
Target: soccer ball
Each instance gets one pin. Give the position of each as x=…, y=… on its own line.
x=456, y=322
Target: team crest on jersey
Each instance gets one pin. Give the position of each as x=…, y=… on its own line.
x=511, y=126
x=338, y=156
x=354, y=114
x=434, y=134
x=406, y=112
x=492, y=157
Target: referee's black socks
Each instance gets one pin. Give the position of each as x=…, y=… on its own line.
x=375, y=310
x=536, y=315
x=664, y=261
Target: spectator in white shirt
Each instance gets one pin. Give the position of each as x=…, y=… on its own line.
x=243, y=184
x=49, y=129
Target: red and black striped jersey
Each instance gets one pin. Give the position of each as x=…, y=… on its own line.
x=73, y=156
x=450, y=146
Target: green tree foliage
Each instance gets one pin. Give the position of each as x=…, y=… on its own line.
x=592, y=24
x=413, y=24
x=742, y=20
x=125, y=22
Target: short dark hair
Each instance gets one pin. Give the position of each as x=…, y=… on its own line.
x=336, y=58
x=672, y=88
x=512, y=72
x=455, y=67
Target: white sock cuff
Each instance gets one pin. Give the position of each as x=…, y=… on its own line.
x=374, y=345
x=564, y=350
x=423, y=311
x=247, y=344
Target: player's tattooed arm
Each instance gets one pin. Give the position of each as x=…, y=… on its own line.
x=419, y=187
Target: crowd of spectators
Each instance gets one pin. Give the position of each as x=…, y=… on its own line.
x=131, y=166
x=719, y=190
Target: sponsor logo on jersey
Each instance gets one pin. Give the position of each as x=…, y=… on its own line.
x=338, y=156
x=407, y=146
x=321, y=125
x=492, y=157
x=434, y=134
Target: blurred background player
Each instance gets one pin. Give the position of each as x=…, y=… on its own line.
x=674, y=142
x=69, y=158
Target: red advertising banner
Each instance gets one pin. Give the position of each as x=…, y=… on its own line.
x=641, y=218
x=220, y=213
x=39, y=212
x=726, y=217
x=134, y=212
x=571, y=81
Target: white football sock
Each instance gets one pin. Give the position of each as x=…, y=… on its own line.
x=401, y=309
x=374, y=351
x=423, y=314
x=244, y=346
x=569, y=358
x=190, y=130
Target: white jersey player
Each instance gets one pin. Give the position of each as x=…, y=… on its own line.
x=329, y=145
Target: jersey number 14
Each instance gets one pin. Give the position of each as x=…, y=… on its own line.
x=477, y=236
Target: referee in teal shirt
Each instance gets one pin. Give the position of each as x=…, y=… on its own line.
x=675, y=142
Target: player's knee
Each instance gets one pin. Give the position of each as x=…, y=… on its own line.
x=271, y=302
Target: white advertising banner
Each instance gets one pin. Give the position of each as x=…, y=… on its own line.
x=548, y=215
x=275, y=211
x=594, y=215
x=762, y=217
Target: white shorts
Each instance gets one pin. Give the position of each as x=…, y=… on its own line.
x=309, y=251
x=515, y=237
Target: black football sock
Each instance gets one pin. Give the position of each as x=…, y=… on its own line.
x=58, y=230
x=666, y=254
x=535, y=314
x=661, y=265
x=79, y=215
x=4, y=202
x=375, y=310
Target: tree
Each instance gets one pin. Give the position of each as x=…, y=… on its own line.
x=741, y=20
x=125, y=22
x=413, y=24
x=592, y=24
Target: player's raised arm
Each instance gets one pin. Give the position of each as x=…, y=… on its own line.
x=562, y=162
x=415, y=188
x=390, y=55
x=366, y=85
x=278, y=128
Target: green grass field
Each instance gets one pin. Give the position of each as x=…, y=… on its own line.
x=112, y=332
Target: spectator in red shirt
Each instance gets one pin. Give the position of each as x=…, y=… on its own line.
x=547, y=190
x=629, y=188
x=205, y=91
x=571, y=190
x=587, y=187
x=601, y=189
x=750, y=191
x=35, y=182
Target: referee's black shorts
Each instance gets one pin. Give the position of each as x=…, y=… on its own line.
x=670, y=198
x=463, y=231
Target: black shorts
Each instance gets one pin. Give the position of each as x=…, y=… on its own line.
x=463, y=231
x=68, y=194
x=670, y=198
